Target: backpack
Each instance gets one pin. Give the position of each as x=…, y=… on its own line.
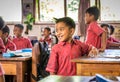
x=43, y=60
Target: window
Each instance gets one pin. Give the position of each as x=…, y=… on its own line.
x=72, y=9
x=109, y=10
x=46, y=10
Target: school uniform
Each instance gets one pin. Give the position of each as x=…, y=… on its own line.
x=62, y=54
x=10, y=45
x=110, y=41
x=22, y=43
x=48, y=40
x=93, y=36
x=2, y=47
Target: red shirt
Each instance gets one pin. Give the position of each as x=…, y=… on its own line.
x=1, y=70
x=48, y=40
x=10, y=45
x=61, y=55
x=22, y=43
x=93, y=36
x=111, y=40
x=2, y=47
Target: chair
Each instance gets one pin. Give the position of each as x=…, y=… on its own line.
x=35, y=61
x=40, y=58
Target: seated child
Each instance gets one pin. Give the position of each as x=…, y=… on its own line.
x=2, y=47
x=1, y=74
x=67, y=49
x=19, y=40
x=96, y=36
x=49, y=38
x=46, y=36
x=111, y=28
x=7, y=42
x=111, y=42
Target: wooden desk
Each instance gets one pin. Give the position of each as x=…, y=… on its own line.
x=91, y=66
x=19, y=66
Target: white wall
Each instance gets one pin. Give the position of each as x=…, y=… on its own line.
x=11, y=10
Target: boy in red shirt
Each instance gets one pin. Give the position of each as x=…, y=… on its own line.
x=96, y=36
x=19, y=40
x=67, y=49
x=111, y=42
x=2, y=47
x=46, y=36
x=7, y=42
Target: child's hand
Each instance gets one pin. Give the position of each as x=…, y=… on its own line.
x=93, y=52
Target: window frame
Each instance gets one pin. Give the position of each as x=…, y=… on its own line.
x=50, y=23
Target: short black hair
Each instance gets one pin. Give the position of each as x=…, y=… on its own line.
x=1, y=23
x=102, y=25
x=111, y=29
x=6, y=29
x=67, y=20
x=93, y=11
x=48, y=29
x=19, y=26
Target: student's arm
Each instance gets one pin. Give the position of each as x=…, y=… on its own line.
x=2, y=78
x=114, y=44
x=103, y=41
x=51, y=73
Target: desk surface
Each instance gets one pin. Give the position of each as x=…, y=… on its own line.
x=56, y=78
x=96, y=60
x=15, y=58
x=109, y=56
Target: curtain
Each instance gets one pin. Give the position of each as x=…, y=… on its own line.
x=83, y=5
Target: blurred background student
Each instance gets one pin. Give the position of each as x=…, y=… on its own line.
x=111, y=42
x=9, y=45
x=2, y=47
x=20, y=41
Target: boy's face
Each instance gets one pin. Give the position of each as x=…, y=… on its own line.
x=63, y=32
x=88, y=18
x=4, y=35
x=17, y=31
x=46, y=33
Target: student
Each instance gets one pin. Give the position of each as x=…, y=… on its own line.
x=2, y=47
x=19, y=40
x=111, y=42
x=7, y=42
x=46, y=36
x=67, y=49
x=96, y=36
x=111, y=29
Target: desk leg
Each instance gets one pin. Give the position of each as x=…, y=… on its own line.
x=20, y=71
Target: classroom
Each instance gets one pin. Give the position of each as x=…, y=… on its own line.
x=59, y=41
